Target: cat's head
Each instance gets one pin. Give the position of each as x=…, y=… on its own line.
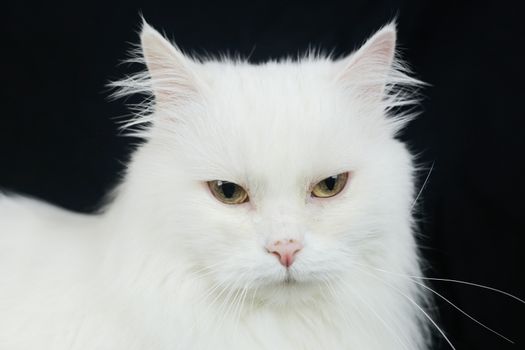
x=279, y=176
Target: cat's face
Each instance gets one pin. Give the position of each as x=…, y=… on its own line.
x=276, y=131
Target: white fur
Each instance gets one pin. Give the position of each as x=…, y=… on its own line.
x=167, y=266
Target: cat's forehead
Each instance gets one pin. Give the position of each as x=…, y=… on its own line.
x=279, y=121
x=290, y=118
x=287, y=97
x=289, y=85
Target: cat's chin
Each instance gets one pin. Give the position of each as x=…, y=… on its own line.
x=291, y=290
x=290, y=293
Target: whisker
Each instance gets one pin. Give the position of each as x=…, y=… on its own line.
x=230, y=299
x=388, y=327
x=326, y=282
x=422, y=187
x=225, y=286
x=385, y=324
x=449, y=302
x=210, y=291
x=209, y=267
x=463, y=312
x=453, y=281
x=413, y=303
x=335, y=302
x=252, y=303
x=232, y=309
x=241, y=304
x=194, y=275
x=226, y=303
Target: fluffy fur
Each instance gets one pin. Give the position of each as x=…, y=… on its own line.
x=167, y=266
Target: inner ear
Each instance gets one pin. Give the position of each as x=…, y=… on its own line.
x=170, y=71
x=367, y=69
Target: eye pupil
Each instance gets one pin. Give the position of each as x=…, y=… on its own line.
x=228, y=189
x=330, y=182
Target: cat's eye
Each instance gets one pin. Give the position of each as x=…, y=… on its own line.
x=228, y=192
x=330, y=186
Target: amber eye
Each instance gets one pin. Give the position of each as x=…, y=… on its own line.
x=228, y=192
x=330, y=186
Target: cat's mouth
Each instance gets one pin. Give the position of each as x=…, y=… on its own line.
x=289, y=279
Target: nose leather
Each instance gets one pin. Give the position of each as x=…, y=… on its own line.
x=285, y=250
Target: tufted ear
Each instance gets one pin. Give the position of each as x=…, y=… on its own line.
x=367, y=69
x=170, y=71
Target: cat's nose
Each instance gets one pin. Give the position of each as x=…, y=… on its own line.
x=285, y=250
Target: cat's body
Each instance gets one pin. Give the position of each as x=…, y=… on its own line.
x=167, y=266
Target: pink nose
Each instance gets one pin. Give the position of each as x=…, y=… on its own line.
x=285, y=250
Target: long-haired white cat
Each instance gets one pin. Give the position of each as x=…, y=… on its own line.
x=260, y=213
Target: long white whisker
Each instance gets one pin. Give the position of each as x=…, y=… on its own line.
x=212, y=289
x=252, y=303
x=422, y=187
x=449, y=302
x=332, y=291
x=224, y=284
x=385, y=324
x=241, y=304
x=413, y=279
x=232, y=309
x=351, y=290
x=328, y=285
x=230, y=299
x=195, y=275
x=208, y=267
x=225, y=304
x=413, y=303
x=463, y=312
x=454, y=281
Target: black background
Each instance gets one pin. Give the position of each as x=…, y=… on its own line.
x=58, y=137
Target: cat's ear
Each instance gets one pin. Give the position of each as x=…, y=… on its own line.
x=366, y=70
x=170, y=72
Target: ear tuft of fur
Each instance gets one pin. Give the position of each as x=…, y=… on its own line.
x=377, y=74
x=167, y=83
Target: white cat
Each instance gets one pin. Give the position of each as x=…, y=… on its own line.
x=260, y=213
